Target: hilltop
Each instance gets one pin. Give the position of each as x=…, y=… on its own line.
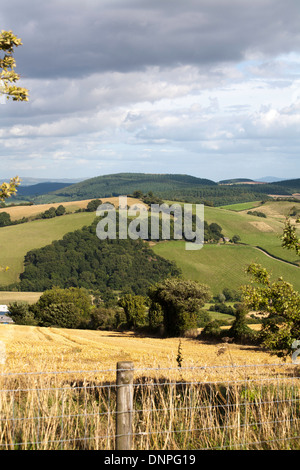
x=124, y=183
x=184, y=188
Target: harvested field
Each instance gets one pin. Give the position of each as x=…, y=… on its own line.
x=17, y=212
x=31, y=349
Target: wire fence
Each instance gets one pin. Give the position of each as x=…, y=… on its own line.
x=196, y=408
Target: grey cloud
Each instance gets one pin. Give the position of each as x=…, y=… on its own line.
x=70, y=38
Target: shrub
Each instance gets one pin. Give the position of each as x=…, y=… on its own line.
x=103, y=319
x=212, y=331
x=21, y=314
x=65, y=315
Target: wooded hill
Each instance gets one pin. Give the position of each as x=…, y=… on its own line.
x=166, y=186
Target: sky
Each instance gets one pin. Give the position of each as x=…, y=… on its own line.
x=208, y=88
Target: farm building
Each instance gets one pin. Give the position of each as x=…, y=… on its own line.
x=4, y=318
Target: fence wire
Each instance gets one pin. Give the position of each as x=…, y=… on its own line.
x=195, y=408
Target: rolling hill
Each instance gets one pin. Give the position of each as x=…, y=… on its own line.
x=39, y=189
x=217, y=265
x=124, y=183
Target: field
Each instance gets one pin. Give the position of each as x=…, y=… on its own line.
x=7, y=297
x=58, y=392
x=57, y=385
x=17, y=240
x=17, y=212
x=242, y=206
x=32, y=349
x=222, y=266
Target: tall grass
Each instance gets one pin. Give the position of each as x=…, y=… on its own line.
x=171, y=412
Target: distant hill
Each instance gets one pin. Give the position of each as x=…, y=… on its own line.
x=236, y=180
x=290, y=184
x=124, y=183
x=40, y=188
x=30, y=181
x=177, y=187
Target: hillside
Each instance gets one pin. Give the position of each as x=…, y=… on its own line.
x=223, y=265
x=39, y=189
x=80, y=259
x=236, y=180
x=166, y=186
x=124, y=184
x=291, y=184
x=218, y=265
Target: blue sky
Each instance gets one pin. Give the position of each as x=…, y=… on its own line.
x=208, y=88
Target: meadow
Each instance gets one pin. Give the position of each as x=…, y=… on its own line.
x=58, y=392
x=57, y=385
x=17, y=240
x=219, y=265
x=222, y=266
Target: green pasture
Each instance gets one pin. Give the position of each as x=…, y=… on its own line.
x=222, y=266
x=242, y=206
x=254, y=231
x=17, y=240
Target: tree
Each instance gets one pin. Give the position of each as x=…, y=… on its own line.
x=8, y=76
x=8, y=41
x=8, y=189
x=61, y=210
x=290, y=240
x=64, y=315
x=93, y=205
x=21, y=314
x=236, y=239
x=49, y=213
x=4, y=219
x=134, y=308
x=279, y=301
x=78, y=297
x=103, y=318
x=180, y=301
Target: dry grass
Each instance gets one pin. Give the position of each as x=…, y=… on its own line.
x=7, y=297
x=17, y=212
x=212, y=401
x=35, y=349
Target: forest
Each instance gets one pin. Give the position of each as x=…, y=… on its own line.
x=80, y=259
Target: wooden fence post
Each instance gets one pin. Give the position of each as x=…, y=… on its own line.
x=124, y=405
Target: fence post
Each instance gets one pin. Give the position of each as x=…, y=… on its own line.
x=124, y=405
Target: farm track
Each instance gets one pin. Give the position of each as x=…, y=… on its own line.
x=274, y=257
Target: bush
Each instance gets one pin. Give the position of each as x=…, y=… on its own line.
x=93, y=205
x=240, y=331
x=21, y=314
x=103, y=319
x=203, y=318
x=65, y=315
x=180, y=302
x=212, y=331
x=155, y=316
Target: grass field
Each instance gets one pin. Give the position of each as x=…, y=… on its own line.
x=58, y=393
x=222, y=266
x=242, y=206
x=17, y=240
x=217, y=265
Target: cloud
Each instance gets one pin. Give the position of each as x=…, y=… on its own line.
x=187, y=80
x=71, y=39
